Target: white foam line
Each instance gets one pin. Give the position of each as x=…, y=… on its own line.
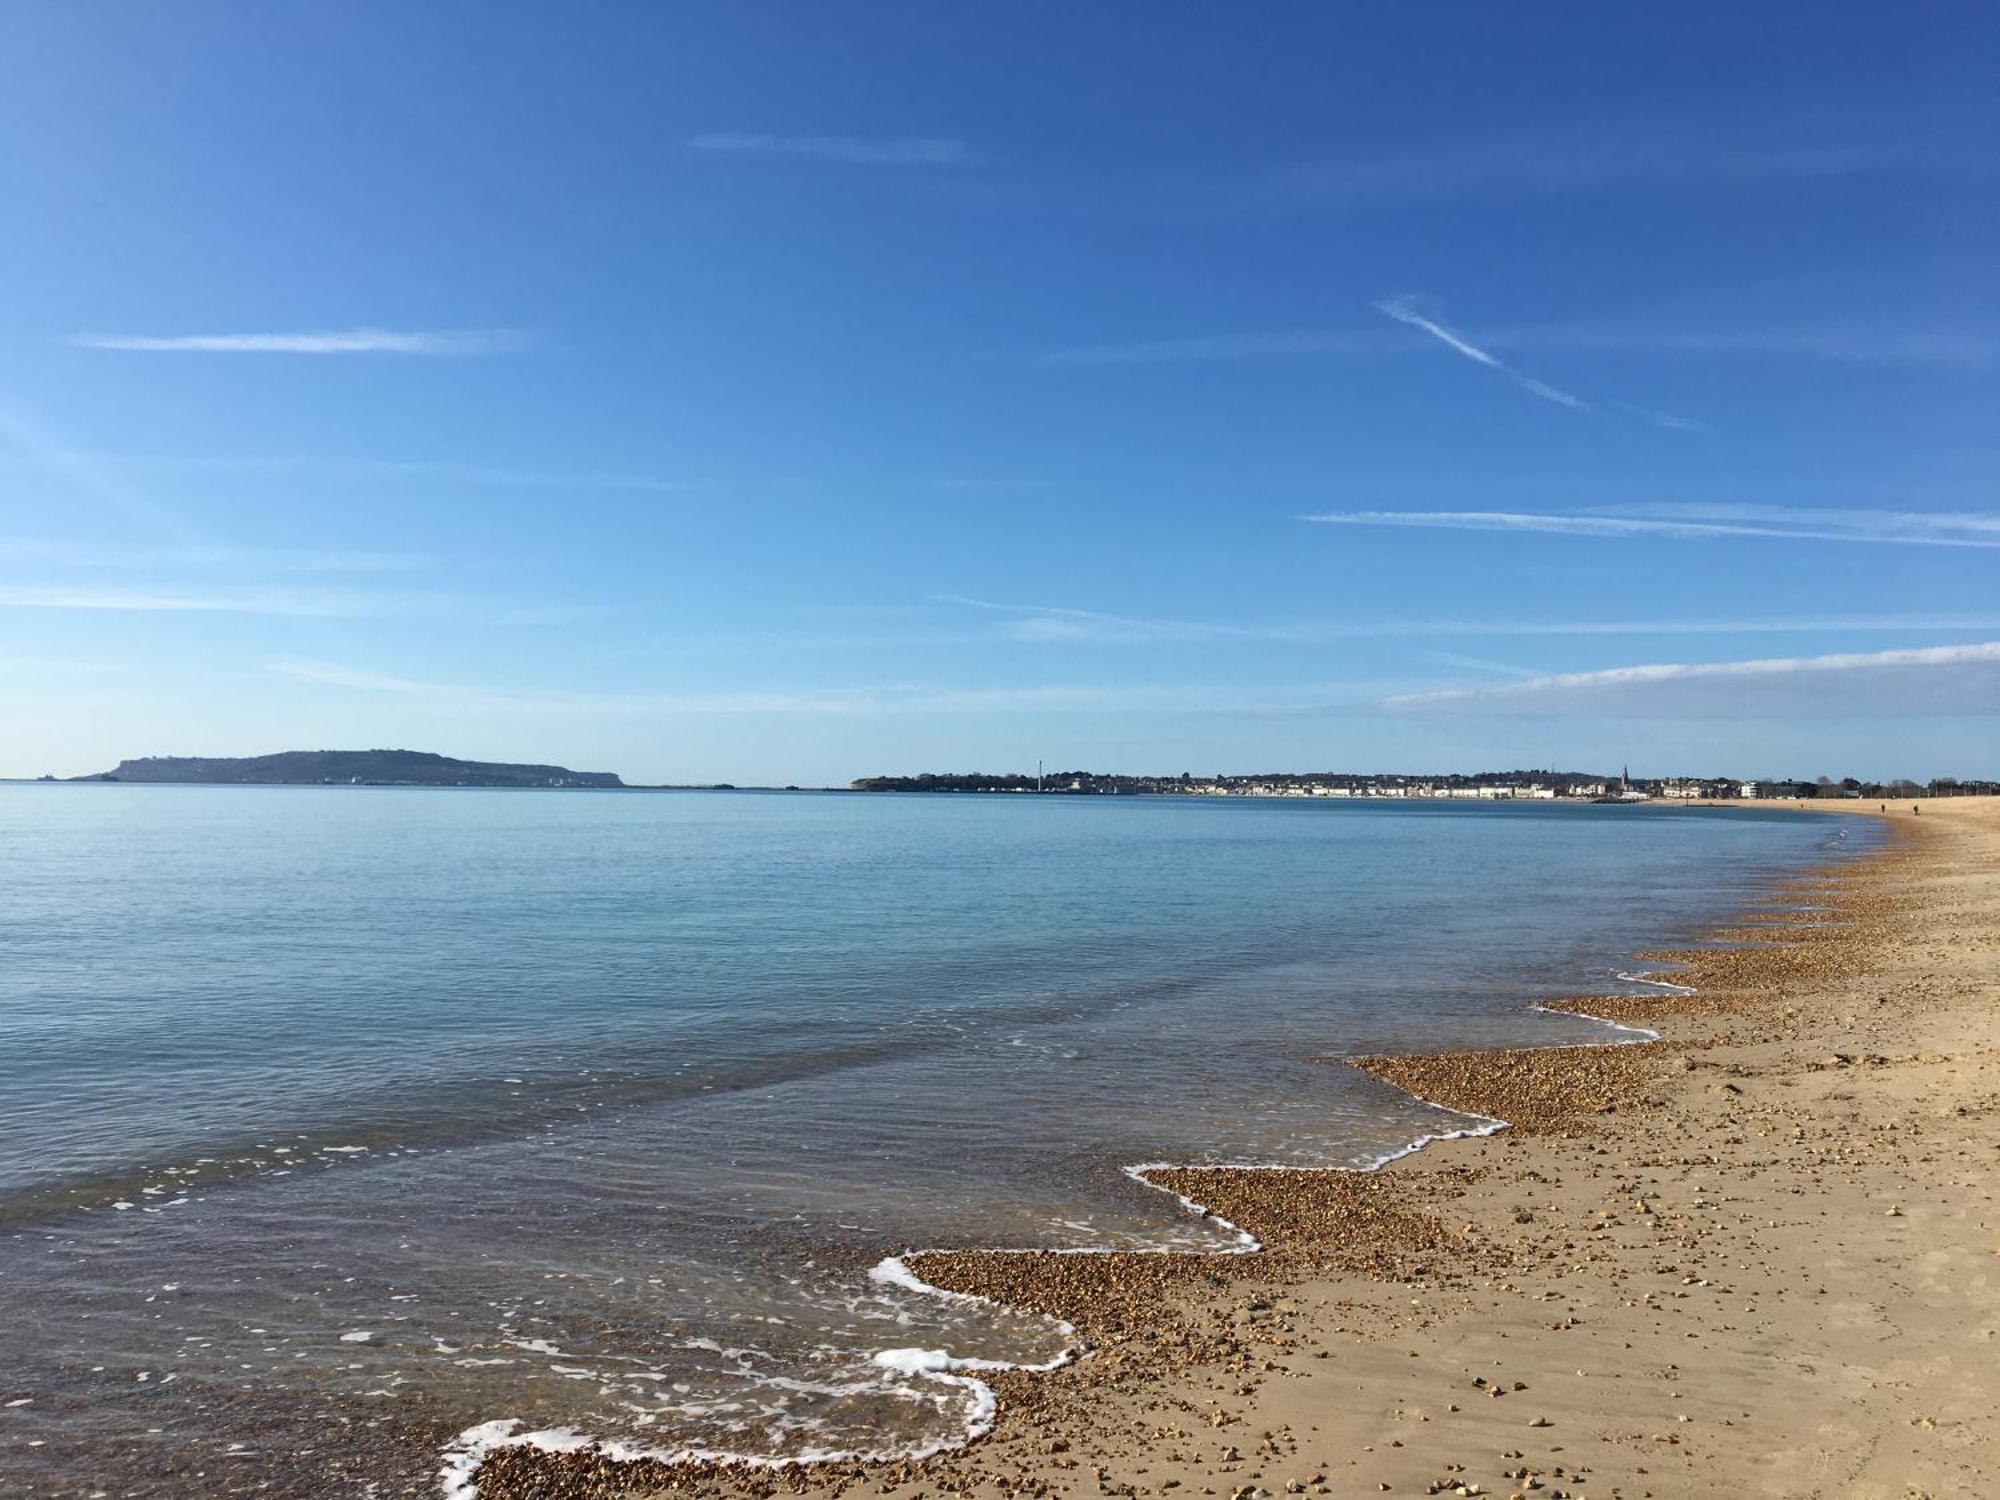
x=1482, y=1125
x=1662, y=984
x=1635, y=1034
x=458, y=1476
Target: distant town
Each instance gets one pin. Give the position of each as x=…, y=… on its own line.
x=1499, y=786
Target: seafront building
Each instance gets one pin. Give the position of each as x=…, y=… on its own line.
x=1481, y=786
x=1485, y=791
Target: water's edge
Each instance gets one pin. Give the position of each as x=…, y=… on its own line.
x=462, y=1458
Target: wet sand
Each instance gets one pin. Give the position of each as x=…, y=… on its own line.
x=1757, y=1256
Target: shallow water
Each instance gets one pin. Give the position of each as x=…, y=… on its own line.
x=339, y=1120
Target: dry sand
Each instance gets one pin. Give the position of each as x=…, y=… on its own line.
x=1757, y=1257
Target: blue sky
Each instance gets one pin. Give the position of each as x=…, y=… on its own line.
x=795, y=392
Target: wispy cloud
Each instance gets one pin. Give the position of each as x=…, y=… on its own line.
x=1957, y=680
x=56, y=666
x=1834, y=340
x=343, y=341
x=479, y=475
x=470, y=474
x=69, y=554
x=552, y=616
x=80, y=473
x=1404, y=310
x=1914, y=317
x=1914, y=528
x=1057, y=625
x=1869, y=523
x=313, y=604
x=1483, y=665
x=1664, y=419
x=1833, y=344
x=329, y=674
x=863, y=151
x=455, y=697
x=1410, y=310
x=850, y=701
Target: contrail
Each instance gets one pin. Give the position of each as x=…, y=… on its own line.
x=1402, y=311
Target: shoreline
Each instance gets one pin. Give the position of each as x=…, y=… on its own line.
x=1317, y=1226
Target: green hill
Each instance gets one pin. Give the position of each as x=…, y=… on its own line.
x=349, y=767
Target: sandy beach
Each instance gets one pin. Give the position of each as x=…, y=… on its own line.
x=1754, y=1257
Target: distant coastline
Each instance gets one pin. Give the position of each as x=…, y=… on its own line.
x=1501, y=786
x=419, y=768
x=348, y=768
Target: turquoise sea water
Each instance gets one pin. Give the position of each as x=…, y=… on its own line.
x=336, y=1121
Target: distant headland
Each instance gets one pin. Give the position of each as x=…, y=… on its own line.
x=349, y=768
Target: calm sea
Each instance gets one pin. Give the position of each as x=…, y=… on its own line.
x=334, y=1122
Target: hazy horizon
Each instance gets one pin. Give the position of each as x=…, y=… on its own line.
x=1555, y=769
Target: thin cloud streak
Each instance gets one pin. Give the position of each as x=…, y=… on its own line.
x=184, y=598
x=1056, y=625
x=78, y=471
x=481, y=476
x=290, y=604
x=1664, y=419
x=1403, y=310
x=864, y=701
x=343, y=341
x=1481, y=664
x=1925, y=530
x=1876, y=520
x=1565, y=689
x=277, y=559
x=528, y=479
x=1914, y=347
x=911, y=151
x=1827, y=343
